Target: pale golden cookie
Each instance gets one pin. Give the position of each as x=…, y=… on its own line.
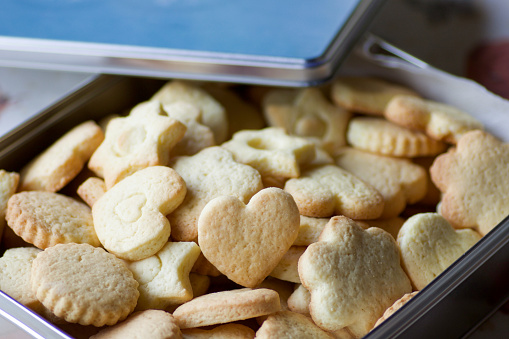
x=283, y=288
x=310, y=229
x=91, y=190
x=299, y=300
x=246, y=242
x=400, y=181
x=286, y=269
x=45, y=219
x=144, y=138
x=164, y=277
x=63, y=160
x=329, y=190
x=130, y=218
x=8, y=185
x=390, y=225
x=204, y=267
x=227, y=331
x=433, y=194
x=396, y=306
x=286, y=324
x=15, y=268
x=307, y=113
x=208, y=174
x=438, y=120
x=153, y=324
x=271, y=151
x=227, y=306
x=386, y=138
x=199, y=283
x=197, y=136
x=213, y=114
x=350, y=285
x=366, y=94
x=84, y=284
x=429, y=245
x=474, y=182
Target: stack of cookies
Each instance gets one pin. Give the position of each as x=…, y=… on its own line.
x=215, y=210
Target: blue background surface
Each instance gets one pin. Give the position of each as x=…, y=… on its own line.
x=280, y=28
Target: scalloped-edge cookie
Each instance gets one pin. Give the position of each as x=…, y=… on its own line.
x=84, y=284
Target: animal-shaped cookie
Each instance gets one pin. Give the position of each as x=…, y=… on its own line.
x=438, y=120
x=474, y=182
x=144, y=138
x=398, y=180
x=130, y=218
x=246, y=242
x=208, y=174
x=164, y=277
x=307, y=113
x=328, y=190
x=429, y=245
x=63, y=160
x=350, y=284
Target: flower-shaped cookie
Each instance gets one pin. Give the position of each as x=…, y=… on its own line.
x=474, y=182
x=143, y=138
x=353, y=276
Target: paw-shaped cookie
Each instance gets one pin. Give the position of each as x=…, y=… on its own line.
x=328, y=190
x=144, y=138
x=271, y=151
x=474, y=182
x=130, y=218
x=353, y=276
x=246, y=242
x=429, y=245
x=307, y=113
x=438, y=120
x=63, y=160
x=398, y=180
x=365, y=94
x=213, y=114
x=208, y=174
x=164, y=277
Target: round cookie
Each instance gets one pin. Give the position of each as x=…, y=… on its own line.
x=84, y=284
x=45, y=219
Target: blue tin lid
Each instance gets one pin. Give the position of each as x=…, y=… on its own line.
x=164, y=37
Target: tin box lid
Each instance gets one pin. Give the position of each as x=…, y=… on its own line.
x=284, y=42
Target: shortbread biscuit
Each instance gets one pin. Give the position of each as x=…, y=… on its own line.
x=213, y=114
x=227, y=331
x=299, y=300
x=474, y=182
x=350, y=285
x=197, y=136
x=396, y=306
x=84, y=284
x=437, y=120
x=429, y=245
x=130, y=218
x=153, y=324
x=144, y=138
x=386, y=138
x=63, y=160
x=307, y=113
x=286, y=324
x=283, y=288
x=208, y=174
x=8, y=185
x=366, y=94
x=164, y=277
x=246, y=242
x=15, y=271
x=329, y=190
x=310, y=230
x=91, y=190
x=45, y=219
x=227, y=306
x=433, y=195
x=400, y=181
x=286, y=269
x=204, y=267
x=271, y=151
x=390, y=225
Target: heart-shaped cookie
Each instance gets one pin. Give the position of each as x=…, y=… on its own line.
x=246, y=242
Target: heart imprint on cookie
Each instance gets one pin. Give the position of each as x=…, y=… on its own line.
x=246, y=242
